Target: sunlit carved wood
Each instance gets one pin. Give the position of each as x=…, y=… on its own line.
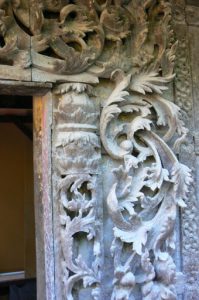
x=149, y=185
x=129, y=46
x=141, y=130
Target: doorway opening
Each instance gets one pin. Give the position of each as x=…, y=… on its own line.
x=17, y=230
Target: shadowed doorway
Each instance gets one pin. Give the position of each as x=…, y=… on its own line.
x=17, y=230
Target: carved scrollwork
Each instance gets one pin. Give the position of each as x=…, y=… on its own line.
x=74, y=36
x=71, y=37
x=15, y=43
x=77, y=195
x=149, y=185
x=131, y=43
x=141, y=129
x=78, y=214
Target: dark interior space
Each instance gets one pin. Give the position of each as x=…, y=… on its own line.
x=17, y=230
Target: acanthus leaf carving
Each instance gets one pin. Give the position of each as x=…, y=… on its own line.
x=77, y=196
x=140, y=130
x=72, y=37
x=150, y=183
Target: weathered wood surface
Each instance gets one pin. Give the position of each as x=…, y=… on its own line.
x=43, y=198
x=144, y=184
x=127, y=51
x=12, y=87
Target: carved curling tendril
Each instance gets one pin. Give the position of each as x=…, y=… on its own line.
x=141, y=129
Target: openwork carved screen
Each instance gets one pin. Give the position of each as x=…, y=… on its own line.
x=117, y=182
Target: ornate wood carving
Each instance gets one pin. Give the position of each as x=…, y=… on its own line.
x=131, y=46
x=185, y=100
x=78, y=204
x=149, y=185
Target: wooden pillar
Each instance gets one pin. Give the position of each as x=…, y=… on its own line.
x=42, y=114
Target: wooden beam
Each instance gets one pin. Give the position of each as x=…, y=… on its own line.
x=42, y=114
x=11, y=87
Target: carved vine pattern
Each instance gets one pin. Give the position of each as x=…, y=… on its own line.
x=149, y=185
x=130, y=42
x=74, y=36
x=142, y=130
x=77, y=197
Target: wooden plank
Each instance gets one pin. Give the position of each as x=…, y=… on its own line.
x=14, y=73
x=42, y=115
x=194, y=46
x=42, y=76
x=192, y=2
x=188, y=217
x=10, y=87
x=5, y=277
x=192, y=15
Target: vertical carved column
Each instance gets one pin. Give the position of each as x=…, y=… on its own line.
x=184, y=98
x=149, y=184
x=77, y=193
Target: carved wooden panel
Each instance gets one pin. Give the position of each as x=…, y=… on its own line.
x=117, y=184
x=77, y=194
x=115, y=206
x=15, y=57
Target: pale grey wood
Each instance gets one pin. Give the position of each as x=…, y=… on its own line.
x=132, y=49
x=77, y=193
x=184, y=98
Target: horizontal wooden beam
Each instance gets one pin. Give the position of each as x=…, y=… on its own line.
x=11, y=87
x=192, y=2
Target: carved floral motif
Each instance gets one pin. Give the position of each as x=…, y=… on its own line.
x=140, y=129
x=77, y=195
x=15, y=43
x=132, y=44
x=149, y=185
x=70, y=37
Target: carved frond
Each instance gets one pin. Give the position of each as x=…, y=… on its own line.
x=181, y=176
x=149, y=83
x=132, y=237
x=139, y=123
x=137, y=107
x=119, y=93
x=156, y=176
x=115, y=212
x=169, y=114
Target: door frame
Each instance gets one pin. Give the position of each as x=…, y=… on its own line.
x=42, y=120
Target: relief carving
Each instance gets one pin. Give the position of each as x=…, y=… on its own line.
x=15, y=42
x=142, y=130
x=188, y=153
x=71, y=37
x=132, y=44
x=149, y=185
x=74, y=36
x=77, y=195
